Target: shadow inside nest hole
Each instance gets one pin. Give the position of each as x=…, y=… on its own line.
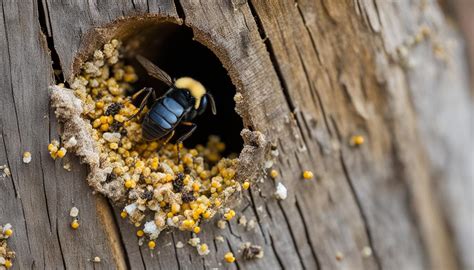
x=172, y=48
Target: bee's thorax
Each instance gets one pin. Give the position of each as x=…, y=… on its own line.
x=195, y=88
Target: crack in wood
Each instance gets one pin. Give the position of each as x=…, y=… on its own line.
x=11, y=74
x=259, y=219
x=45, y=193
x=308, y=32
x=176, y=251
x=323, y=111
x=268, y=212
x=292, y=235
x=180, y=10
x=15, y=189
x=272, y=57
x=60, y=245
x=313, y=91
x=26, y=225
x=365, y=221
x=306, y=232
x=231, y=230
x=237, y=264
x=332, y=120
x=141, y=256
x=111, y=228
x=277, y=256
x=377, y=12
x=45, y=24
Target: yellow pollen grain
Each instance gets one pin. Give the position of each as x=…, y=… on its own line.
x=206, y=215
x=8, y=232
x=274, y=173
x=308, y=175
x=61, y=152
x=151, y=244
x=8, y=264
x=130, y=184
x=357, y=140
x=75, y=224
x=229, y=257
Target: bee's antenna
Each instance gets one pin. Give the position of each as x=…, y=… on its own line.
x=213, y=103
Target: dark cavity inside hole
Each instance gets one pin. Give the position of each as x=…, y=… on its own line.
x=172, y=48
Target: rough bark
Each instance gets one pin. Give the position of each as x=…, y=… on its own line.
x=312, y=73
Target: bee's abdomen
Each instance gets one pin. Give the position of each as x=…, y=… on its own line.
x=166, y=112
x=162, y=118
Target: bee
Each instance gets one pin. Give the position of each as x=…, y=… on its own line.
x=185, y=99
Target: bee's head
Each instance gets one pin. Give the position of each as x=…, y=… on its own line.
x=195, y=88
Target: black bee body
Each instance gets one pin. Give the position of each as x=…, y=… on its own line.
x=185, y=99
x=168, y=111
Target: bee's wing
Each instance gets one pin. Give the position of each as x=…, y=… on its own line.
x=155, y=71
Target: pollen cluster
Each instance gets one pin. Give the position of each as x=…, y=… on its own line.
x=6, y=254
x=160, y=188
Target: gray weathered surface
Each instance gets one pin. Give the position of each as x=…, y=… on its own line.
x=312, y=73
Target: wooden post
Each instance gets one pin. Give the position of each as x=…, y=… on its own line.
x=312, y=73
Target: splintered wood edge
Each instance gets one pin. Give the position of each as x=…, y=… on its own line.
x=96, y=37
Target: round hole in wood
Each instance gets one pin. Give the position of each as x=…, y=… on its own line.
x=170, y=45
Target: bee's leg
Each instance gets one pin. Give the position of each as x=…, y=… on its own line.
x=139, y=92
x=149, y=91
x=189, y=132
x=168, y=138
x=153, y=95
x=178, y=153
x=192, y=128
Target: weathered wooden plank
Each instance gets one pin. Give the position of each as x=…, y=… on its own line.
x=23, y=197
x=462, y=10
x=437, y=86
x=37, y=197
x=311, y=74
x=339, y=74
x=319, y=72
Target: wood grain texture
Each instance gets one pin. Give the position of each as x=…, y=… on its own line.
x=37, y=197
x=312, y=73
